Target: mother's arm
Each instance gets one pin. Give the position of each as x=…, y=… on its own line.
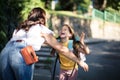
x=63, y=50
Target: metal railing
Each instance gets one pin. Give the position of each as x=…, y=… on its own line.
x=107, y=16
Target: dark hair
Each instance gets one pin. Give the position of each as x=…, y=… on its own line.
x=36, y=16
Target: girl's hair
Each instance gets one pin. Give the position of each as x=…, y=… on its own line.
x=36, y=16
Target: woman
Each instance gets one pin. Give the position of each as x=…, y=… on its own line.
x=32, y=32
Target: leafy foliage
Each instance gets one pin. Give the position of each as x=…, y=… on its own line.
x=114, y=4
x=11, y=13
x=29, y=5
x=109, y=5
x=70, y=5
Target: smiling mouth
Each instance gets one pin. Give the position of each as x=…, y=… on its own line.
x=62, y=35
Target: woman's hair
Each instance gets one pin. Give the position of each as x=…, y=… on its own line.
x=36, y=16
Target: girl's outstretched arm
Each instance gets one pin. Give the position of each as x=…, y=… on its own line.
x=85, y=48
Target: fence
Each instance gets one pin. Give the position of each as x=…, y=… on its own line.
x=107, y=16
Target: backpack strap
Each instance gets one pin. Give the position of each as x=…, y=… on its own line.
x=70, y=45
x=54, y=69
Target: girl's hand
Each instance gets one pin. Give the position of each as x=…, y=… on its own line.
x=84, y=47
x=82, y=36
x=84, y=66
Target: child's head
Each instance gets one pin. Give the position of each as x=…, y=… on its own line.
x=77, y=47
x=66, y=31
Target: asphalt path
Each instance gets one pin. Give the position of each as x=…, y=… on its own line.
x=104, y=62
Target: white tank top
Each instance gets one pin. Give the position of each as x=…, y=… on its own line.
x=32, y=37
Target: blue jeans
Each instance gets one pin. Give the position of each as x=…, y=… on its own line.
x=12, y=64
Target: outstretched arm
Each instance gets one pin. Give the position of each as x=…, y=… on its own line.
x=84, y=47
x=63, y=50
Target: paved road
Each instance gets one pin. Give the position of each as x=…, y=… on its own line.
x=104, y=63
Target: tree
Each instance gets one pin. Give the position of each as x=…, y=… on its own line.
x=70, y=5
x=11, y=12
x=9, y=15
x=113, y=6
x=99, y=4
x=47, y=4
x=105, y=4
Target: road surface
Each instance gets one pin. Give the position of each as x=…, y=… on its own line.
x=104, y=63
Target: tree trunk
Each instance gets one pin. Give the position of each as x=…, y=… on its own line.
x=99, y=4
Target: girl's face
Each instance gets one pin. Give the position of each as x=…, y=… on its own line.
x=65, y=33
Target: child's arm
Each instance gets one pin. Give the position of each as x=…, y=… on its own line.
x=85, y=48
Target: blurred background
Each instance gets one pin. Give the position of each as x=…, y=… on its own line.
x=99, y=19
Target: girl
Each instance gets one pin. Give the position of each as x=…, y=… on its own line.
x=68, y=68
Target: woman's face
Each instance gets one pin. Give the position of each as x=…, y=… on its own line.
x=64, y=33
